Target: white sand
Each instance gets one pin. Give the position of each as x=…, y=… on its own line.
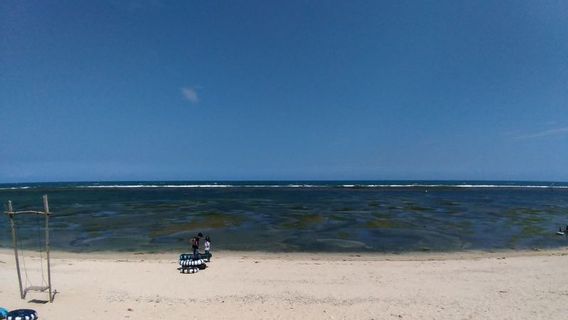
x=238, y=285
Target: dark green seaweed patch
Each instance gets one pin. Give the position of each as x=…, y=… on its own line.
x=528, y=221
x=304, y=221
x=374, y=204
x=93, y=227
x=415, y=207
x=204, y=220
x=464, y=228
x=343, y=235
x=340, y=217
x=380, y=214
x=518, y=212
x=298, y=207
x=526, y=231
x=449, y=203
x=533, y=230
x=382, y=223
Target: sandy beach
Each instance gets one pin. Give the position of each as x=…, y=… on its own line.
x=254, y=285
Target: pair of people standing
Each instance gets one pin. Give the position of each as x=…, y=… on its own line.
x=195, y=245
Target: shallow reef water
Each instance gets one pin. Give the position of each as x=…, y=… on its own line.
x=284, y=216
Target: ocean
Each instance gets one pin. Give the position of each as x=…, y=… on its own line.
x=291, y=216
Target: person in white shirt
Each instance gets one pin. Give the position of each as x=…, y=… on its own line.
x=207, y=247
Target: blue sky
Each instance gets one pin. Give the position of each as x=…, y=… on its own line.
x=176, y=90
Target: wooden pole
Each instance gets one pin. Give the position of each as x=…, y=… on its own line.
x=11, y=215
x=46, y=209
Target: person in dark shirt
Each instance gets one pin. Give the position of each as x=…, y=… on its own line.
x=195, y=245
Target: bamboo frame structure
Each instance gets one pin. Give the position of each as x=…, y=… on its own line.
x=12, y=214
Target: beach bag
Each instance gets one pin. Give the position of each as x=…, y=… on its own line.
x=22, y=314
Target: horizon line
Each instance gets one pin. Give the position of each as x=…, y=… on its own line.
x=284, y=180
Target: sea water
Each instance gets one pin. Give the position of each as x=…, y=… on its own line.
x=285, y=216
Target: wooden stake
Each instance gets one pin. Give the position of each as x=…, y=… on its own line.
x=15, y=243
x=46, y=209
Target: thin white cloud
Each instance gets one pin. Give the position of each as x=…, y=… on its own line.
x=190, y=94
x=545, y=133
